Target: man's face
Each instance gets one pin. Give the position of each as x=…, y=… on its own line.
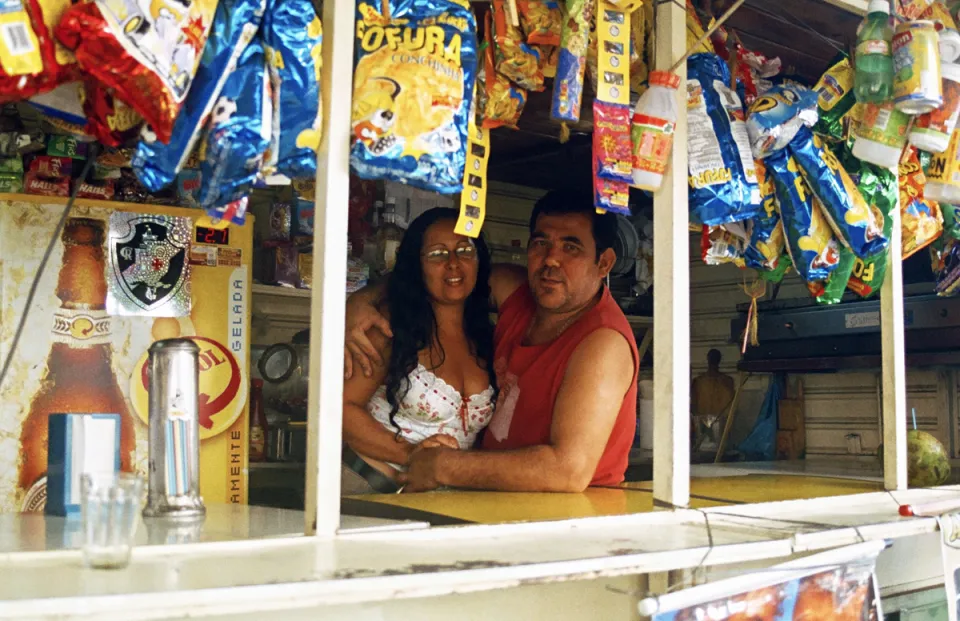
x=562, y=265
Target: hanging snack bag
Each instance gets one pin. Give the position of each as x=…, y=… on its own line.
x=766, y=235
x=32, y=61
x=549, y=56
x=517, y=61
x=541, y=21
x=410, y=110
x=835, y=98
x=920, y=218
x=109, y=120
x=292, y=38
x=572, y=63
x=858, y=226
x=149, y=58
x=777, y=116
x=234, y=26
x=836, y=284
x=499, y=101
x=723, y=244
x=879, y=188
x=810, y=242
x=612, y=146
x=723, y=181
x=239, y=134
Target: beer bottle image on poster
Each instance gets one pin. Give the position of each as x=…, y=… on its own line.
x=79, y=376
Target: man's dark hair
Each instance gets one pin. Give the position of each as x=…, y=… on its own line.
x=557, y=202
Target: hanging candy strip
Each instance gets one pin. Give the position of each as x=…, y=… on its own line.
x=473, y=199
x=612, y=148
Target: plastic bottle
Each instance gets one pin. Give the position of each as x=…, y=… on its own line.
x=880, y=138
x=873, y=63
x=389, y=236
x=654, y=120
x=258, y=423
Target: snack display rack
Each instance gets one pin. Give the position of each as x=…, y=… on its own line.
x=549, y=563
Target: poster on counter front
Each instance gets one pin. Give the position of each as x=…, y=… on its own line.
x=838, y=585
x=82, y=353
x=950, y=550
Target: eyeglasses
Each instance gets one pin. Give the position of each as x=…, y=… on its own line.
x=442, y=255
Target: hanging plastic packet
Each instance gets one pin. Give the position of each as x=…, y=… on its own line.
x=293, y=38
x=836, y=284
x=920, y=219
x=148, y=58
x=32, y=61
x=239, y=132
x=549, y=56
x=723, y=244
x=410, y=110
x=62, y=108
x=766, y=244
x=835, y=98
x=723, y=181
x=235, y=212
x=500, y=102
x=234, y=26
x=809, y=241
x=515, y=60
x=951, y=220
x=572, y=63
x=879, y=188
x=611, y=141
x=948, y=278
x=541, y=21
x=858, y=226
x=109, y=120
x=777, y=116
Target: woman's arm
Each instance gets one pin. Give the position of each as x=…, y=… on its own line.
x=361, y=431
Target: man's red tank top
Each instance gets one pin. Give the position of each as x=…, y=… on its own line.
x=529, y=379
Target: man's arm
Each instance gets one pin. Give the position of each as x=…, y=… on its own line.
x=598, y=375
x=505, y=278
x=362, y=317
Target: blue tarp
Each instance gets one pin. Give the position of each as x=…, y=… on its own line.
x=761, y=443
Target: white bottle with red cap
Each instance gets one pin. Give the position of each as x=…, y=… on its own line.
x=654, y=121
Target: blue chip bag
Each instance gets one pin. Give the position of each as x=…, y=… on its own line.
x=777, y=115
x=858, y=225
x=723, y=181
x=765, y=246
x=292, y=38
x=239, y=132
x=810, y=242
x=234, y=25
x=412, y=90
x=188, y=188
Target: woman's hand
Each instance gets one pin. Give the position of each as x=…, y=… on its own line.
x=441, y=440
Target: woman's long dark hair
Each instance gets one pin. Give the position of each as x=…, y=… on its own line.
x=412, y=319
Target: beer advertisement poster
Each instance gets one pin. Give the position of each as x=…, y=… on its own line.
x=950, y=548
x=120, y=278
x=839, y=585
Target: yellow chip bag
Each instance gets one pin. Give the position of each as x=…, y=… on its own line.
x=412, y=88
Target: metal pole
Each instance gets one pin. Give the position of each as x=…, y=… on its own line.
x=328, y=300
x=671, y=288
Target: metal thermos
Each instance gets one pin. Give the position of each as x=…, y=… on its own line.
x=174, y=465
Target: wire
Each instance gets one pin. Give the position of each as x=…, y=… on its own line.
x=91, y=157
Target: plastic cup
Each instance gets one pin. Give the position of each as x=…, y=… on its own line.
x=110, y=509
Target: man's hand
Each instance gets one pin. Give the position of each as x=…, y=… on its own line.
x=358, y=347
x=422, y=469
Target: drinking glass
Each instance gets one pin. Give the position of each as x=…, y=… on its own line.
x=110, y=509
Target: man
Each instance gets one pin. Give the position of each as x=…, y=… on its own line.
x=566, y=364
x=710, y=395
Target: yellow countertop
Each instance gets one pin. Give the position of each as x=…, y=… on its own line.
x=499, y=507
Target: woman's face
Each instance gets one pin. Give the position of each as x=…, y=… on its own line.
x=449, y=263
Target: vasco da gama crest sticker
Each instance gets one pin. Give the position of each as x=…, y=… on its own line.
x=149, y=272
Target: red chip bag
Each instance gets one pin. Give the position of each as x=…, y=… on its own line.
x=31, y=60
x=148, y=58
x=109, y=120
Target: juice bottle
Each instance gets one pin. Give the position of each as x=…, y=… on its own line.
x=651, y=132
x=873, y=63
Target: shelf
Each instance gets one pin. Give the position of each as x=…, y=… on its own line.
x=284, y=292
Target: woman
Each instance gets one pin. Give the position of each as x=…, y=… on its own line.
x=436, y=388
